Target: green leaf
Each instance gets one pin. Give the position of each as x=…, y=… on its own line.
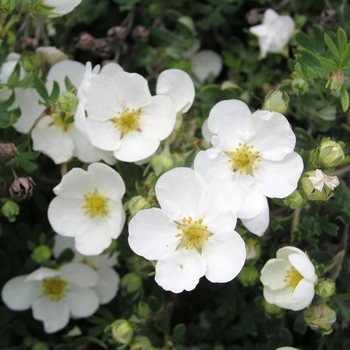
x=179, y=333
x=8, y=103
x=344, y=98
x=55, y=92
x=328, y=113
x=65, y=256
x=41, y=89
x=164, y=37
x=14, y=76
x=328, y=64
x=7, y=118
x=68, y=83
x=319, y=42
x=342, y=41
x=331, y=46
x=304, y=40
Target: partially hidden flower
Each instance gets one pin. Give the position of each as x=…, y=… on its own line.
x=60, y=7
x=254, y=150
x=274, y=33
x=88, y=207
x=117, y=113
x=289, y=280
x=192, y=233
x=54, y=295
x=108, y=279
x=320, y=180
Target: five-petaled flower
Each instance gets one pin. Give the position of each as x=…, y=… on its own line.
x=193, y=233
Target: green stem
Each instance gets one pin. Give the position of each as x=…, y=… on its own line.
x=295, y=222
x=319, y=92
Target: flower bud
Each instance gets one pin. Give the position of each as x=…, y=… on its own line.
x=249, y=275
x=331, y=153
x=253, y=16
x=136, y=204
x=294, y=200
x=162, y=163
x=41, y=254
x=39, y=345
x=10, y=210
x=85, y=41
x=141, y=343
x=29, y=44
x=117, y=32
x=336, y=80
x=271, y=308
x=320, y=317
x=122, y=331
x=179, y=159
x=67, y=102
x=140, y=34
x=310, y=187
x=103, y=48
x=325, y=288
x=300, y=86
x=131, y=282
x=276, y=101
x=22, y=187
x=7, y=152
x=253, y=249
x=50, y=54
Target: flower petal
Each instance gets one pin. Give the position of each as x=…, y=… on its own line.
x=274, y=273
x=302, y=295
x=82, y=302
x=107, y=285
x=180, y=270
x=79, y=275
x=304, y=266
x=206, y=63
x=42, y=273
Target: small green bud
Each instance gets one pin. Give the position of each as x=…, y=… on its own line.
x=271, y=308
x=41, y=254
x=294, y=200
x=325, y=288
x=10, y=210
x=122, y=331
x=136, y=204
x=331, y=153
x=300, y=86
x=67, y=102
x=320, y=317
x=179, y=159
x=336, y=80
x=40, y=346
x=141, y=343
x=161, y=163
x=253, y=249
x=143, y=310
x=276, y=101
x=249, y=275
x=131, y=282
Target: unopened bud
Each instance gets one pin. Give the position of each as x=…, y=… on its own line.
x=7, y=152
x=39, y=345
x=131, y=282
x=294, y=200
x=271, y=308
x=253, y=249
x=179, y=159
x=312, y=190
x=253, y=16
x=136, y=204
x=336, y=80
x=320, y=317
x=141, y=343
x=300, y=86
x=102, y=48
x=67, y=102
x=276, y=101
x=50, y=54
x=10, y=210
x=29, y=44
x=140, y=34
x=122, y=331
x=249, y=275
x=85, y=41
x=325, y=288
x=22, y=187
x=41, y=254
x=331, y=153
x=162, y=163
x=117, y=32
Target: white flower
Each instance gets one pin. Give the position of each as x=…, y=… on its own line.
x=193, y=234
x=254, y=150
x=123, y=117
x=206, y=63
x=289, y=279
x=61, y=7
x=108, y=279
x=54, y=295
x=57, y=139
x=88, y=207
x=322, y=179
x=274, y=33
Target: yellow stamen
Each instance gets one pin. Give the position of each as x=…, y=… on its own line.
x=243, y=159
x=54, y=288
x=127, y=121
x=63, y=124
x=95, y=204
x=293, y=277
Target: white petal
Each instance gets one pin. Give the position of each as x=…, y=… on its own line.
x=206, y=63
x=279, y=179
x=61, y=7
x=179, y=192
x=225, y=256
x=82, y=302
x=274, y=273
x=42, y=273
x=17, y=294
x=54, y=314
x=255, y=202
x=62, y=243
x=79, y=274
x=284, y=252
x=302, y=295
x=178, y=85
x=304, y=266
x=111, y=69
x=107, y=285
x=279, y=297
x=180, y=270
x=207, y=134
x=152, y=234
x=101, y=261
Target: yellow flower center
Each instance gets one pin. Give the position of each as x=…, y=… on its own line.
x=127, y=121
x=193, y=234
x=54, y=288
x=243, y=159
x=95, y=204
x=63, y=121
x=293, y=277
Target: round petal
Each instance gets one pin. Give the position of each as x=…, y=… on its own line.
x=62, y=243
x=111, y=69
x=279, y=179
x=180, y=270
x=225, y=256
x=255, y=202
x=177, y=85
x=82, y=302
x=274, y=273
x=207, y=134
x=284, y=252
x=17, y=294
x=206, y=63
x=152, y=234
x=79, y=275
x=279, y=297
x=304, y=266
x=302, y=295
x=107, y=285
x=61, y=7
x=179, y=192
x=42, y=273
x=105, y=260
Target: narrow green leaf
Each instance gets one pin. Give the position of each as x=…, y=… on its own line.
x=7, y=118
x=319, y=42
x=41, y=89
x=8, y=103
x=14, y=76
x=310, y=58
x=328, y=113
x=344, y=98
x=328, y=64
x=342, y=41
x=346, y=54
x=55, y=92
x=304, y=40
x=68, y=83
x=331, y=46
